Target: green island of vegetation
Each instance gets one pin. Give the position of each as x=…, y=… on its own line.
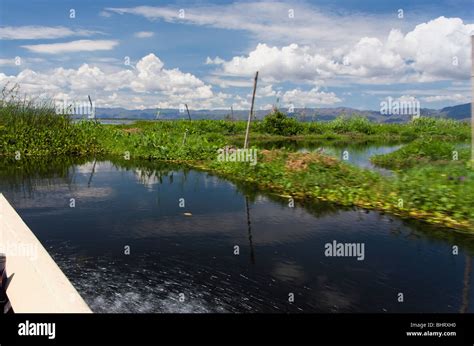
x=432, y=181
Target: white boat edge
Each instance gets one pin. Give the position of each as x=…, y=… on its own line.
x=38, y=285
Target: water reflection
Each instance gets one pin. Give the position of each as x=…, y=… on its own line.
x=358, y=153
x=466, y=285
x=247, y=209
x=136, y=203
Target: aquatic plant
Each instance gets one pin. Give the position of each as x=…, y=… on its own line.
x=421, y=152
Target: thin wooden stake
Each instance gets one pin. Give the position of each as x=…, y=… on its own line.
x=251, y=111
x=92, y=173
x=472, y=101
x=187, y=109
x=92, y=107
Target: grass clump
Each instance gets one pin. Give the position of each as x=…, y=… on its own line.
x=278, y=123
x=421, y=152
x=444, y=191
x=355, y=124
x=32, y=127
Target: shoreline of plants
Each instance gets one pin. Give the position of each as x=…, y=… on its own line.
x=428, y=185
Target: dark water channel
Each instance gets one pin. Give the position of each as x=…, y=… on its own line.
x=129, y=246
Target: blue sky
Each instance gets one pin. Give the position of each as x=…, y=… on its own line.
x=205, y=53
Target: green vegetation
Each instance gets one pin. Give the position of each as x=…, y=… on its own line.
x=278, y=123
x=439, y=194
x=443, y=191
x=32, y=127
x=428, y=185
x=423, y=151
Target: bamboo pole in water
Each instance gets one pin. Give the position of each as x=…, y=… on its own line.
x=251, y=111
x=252, y=253
x=92, y=173
x=92, y=115
x=187, y=109
x=472, y=101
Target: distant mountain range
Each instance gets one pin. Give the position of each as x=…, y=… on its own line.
x=459, y=112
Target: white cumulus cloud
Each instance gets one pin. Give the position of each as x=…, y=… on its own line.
x=147, y=85
x=413, y=57
x=310, y=98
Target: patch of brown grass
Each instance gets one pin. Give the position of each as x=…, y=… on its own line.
x=270, y=155
x=132, y=130
x=301, y=161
